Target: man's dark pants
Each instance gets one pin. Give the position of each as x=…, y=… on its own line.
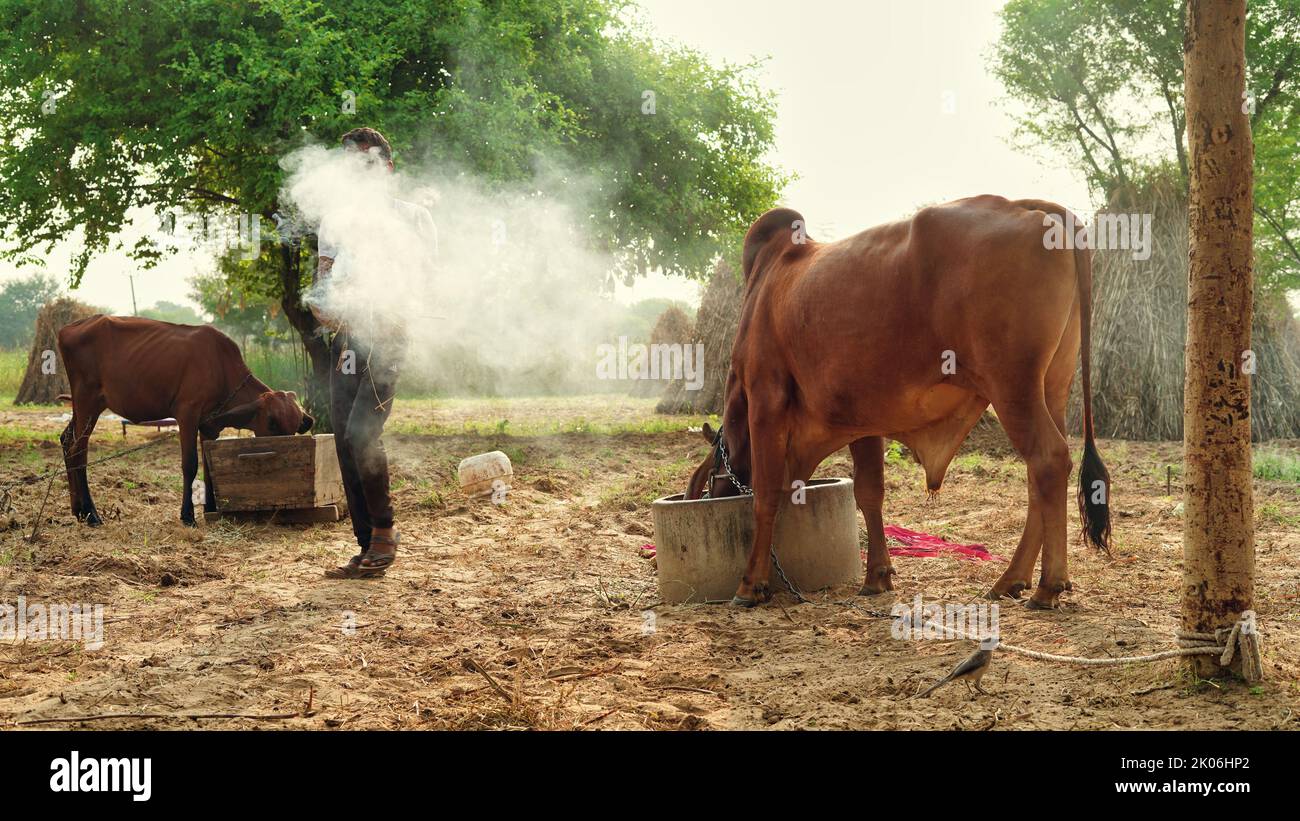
x=362, y=384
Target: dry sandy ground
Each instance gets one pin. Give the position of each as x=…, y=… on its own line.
x=541, y=613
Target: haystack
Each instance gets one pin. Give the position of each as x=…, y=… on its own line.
x=715, y=326
x=672, y=328
x=1139, y=327
x=38, y=386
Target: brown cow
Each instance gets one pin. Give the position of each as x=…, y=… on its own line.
x=142, y=369
x=909, y=331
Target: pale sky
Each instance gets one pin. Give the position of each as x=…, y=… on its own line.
x=883, y=106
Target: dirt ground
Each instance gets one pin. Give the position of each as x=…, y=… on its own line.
x=537, y=613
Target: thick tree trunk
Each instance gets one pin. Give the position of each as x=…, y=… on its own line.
x=1218, y=533
x=317, y=400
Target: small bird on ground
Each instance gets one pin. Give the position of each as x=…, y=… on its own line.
x=971, y=670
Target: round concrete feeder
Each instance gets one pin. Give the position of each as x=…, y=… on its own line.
x=702, y=545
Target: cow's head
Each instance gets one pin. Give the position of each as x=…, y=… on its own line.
x=274, y=413
x=737, y=447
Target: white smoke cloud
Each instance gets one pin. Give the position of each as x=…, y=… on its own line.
x=511, y=276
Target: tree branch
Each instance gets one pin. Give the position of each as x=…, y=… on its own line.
x=1281, y=233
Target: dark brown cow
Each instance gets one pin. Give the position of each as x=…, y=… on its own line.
x=909, y=331
x=142, y=369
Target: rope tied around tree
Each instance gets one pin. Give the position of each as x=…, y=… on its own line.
x=1243, y=637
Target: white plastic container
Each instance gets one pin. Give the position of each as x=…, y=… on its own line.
x=485, y=474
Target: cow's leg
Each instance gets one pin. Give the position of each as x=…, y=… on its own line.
x=86, y=409
x=67, y=439
x=1060, y=373
x=1019, y=574
x=768, y=443
x=1031, y=428
x=189, y=470
x=869, y=490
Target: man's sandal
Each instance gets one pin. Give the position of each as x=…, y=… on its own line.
x=367, y=565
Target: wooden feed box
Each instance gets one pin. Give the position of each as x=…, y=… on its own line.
x=297, y=477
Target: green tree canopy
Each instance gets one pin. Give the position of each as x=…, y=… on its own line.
x=114, y=105
x=172, y=312
x=20, y=301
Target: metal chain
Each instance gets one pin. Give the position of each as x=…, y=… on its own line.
x=748, y=491
x=786, y=579
x=720, y=445
x=731, y=474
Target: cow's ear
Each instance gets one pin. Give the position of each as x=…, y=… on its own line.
x=307, y=422
x=707, y=433
x=236, y=417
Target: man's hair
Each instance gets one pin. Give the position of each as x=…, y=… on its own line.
x=367, y=138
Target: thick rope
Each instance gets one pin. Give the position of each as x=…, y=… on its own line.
x=1224, y=642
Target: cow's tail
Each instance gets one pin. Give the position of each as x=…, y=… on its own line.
x=1094, y=479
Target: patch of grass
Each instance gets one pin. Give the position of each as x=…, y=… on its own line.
x=516, y=454
x=1116, y=450
x=534, y=416
x=668, y=424
x=437, y=495
x=1272, y=512
x=640, y=491
x=894, y=453
x=1275, y=465
x=19, y=435
x=13, y=364
x=1162, y=471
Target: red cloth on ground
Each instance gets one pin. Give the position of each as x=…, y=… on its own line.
x=923, y=545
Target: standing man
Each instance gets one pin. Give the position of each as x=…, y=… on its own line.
x=367, y=349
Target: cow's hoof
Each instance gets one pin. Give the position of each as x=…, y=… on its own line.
x=878, y=580
x=1048, y=595
x=737, y=601
x=875, y=589
x=1008, y=591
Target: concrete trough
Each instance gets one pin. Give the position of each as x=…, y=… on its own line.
x=702, y=545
